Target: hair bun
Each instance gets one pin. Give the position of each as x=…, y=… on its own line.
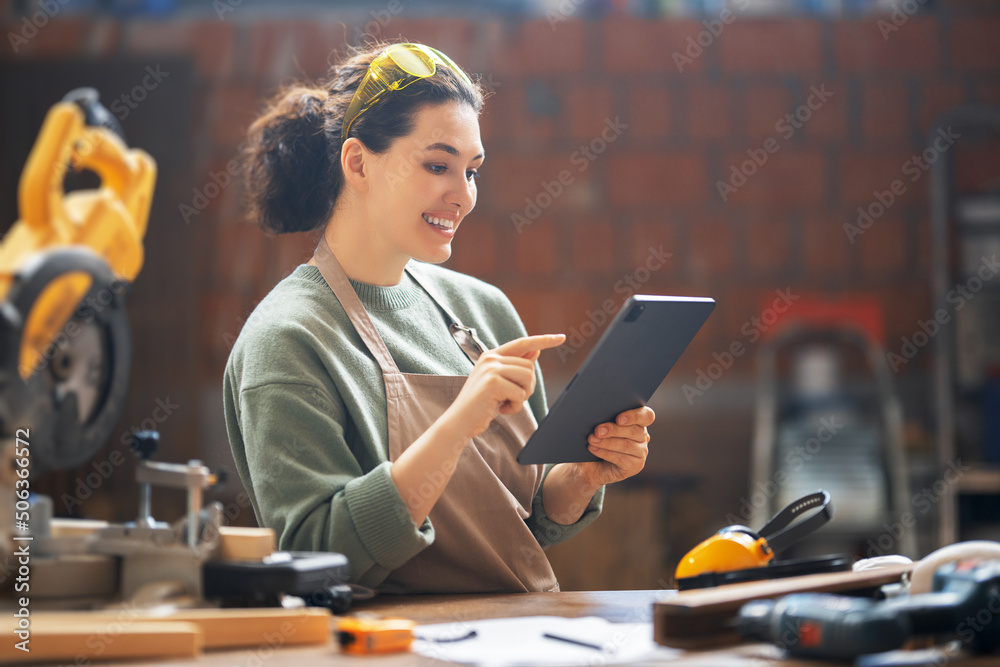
x=287, y=164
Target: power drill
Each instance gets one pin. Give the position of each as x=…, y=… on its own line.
x=965, y=604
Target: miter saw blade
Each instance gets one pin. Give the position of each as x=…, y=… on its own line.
x=73, y=400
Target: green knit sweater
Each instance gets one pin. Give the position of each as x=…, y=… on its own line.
x=306, y=411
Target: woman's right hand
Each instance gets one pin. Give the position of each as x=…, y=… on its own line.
x=499, y=384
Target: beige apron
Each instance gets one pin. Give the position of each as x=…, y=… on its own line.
x=481, y=543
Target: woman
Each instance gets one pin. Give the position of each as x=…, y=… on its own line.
x=375, y=404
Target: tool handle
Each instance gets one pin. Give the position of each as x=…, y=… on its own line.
x=780, y=533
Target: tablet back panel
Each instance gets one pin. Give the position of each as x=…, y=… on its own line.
x=629, y=362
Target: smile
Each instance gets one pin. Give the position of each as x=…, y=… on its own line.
x=439, y=223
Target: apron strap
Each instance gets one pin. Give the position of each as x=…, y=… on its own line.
x=466, y=337
x=334, y=275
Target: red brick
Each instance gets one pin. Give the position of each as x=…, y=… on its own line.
x=765, y=106
x=493, y=121
x=885, y=112
x=588, y=109
x=282, y=254
x=658, y=178
x=210, y=43
x=474, y=250
x=791, y=45
x=222, y=317
x=544, y=50
x=509, y=181
x=922, y=225
x=830, y=121
x=551, y=310
x=977, y=168
x=495, y=52
x=884, y=247
x=234, y=108
x=103, y=37
x=988, y=93
x=529, y=129
x=768, y=244
x=239, y=256
x=708, y=112
x=827, y=251
x=634, y=46
x=862, y=173
x=647, y=235
x=593, y=247
x=649, y=115
x=734, y=308
x=861, y=47
x=282, y=50
x=788, y=177
x=974, y=44
x=937, y=99
x=57, y=37
x=710, y=249
x=905, y=305
x=536, y=250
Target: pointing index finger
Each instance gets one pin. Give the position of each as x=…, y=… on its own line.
x=527, y=345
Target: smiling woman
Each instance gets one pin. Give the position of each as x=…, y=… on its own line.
x=375, y=402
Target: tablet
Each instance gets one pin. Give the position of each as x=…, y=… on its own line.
x=631, y=359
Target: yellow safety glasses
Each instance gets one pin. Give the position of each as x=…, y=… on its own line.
x=393, y=69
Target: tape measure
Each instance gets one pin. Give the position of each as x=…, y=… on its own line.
x=362, y=636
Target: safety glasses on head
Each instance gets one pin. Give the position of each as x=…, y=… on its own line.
x=395, y=68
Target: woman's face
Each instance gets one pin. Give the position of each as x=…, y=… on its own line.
x=425, y=184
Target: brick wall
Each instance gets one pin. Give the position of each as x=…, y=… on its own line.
x=679, y=109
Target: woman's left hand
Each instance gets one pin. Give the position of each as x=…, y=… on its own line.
x=623, y=446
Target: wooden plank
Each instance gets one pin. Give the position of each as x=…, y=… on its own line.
x=75, y=527
x=82, y=642
x=221, y=628
x=699, y=618
x=237, y=543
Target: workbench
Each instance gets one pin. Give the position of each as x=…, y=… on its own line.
x=615, y=606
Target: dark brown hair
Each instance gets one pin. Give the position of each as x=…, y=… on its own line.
x=291, y=159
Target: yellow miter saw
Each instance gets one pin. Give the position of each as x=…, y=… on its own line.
x=65, y=358
x=65, y=343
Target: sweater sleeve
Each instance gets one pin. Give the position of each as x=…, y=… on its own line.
x=309, y=487
x=547, y=531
